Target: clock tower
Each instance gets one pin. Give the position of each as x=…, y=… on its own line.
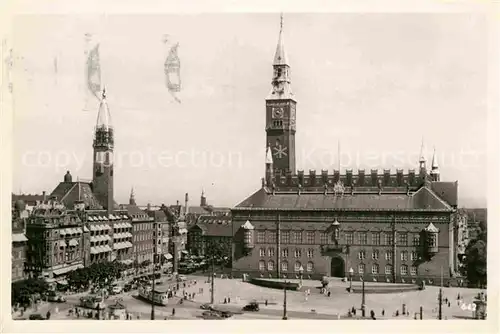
x=280, y=113
x=102, y=181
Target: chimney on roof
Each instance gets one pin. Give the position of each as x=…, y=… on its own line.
x=44, y=196
x=149, y=207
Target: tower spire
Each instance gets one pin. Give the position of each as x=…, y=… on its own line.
x=132, y=197
x=434, y=167
x=280, y=57
x=422, y=158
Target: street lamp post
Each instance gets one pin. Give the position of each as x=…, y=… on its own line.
x=301, y=272
x=284, y=301
x=153, y=286
x=351, y=272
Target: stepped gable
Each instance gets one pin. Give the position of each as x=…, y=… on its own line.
x=215, y=226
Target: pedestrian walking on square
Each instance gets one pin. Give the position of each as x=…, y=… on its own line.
x=383, y=312
x=173, y=311
x=266, y=302
x=329, y=293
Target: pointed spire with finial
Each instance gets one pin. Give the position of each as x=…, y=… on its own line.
x=422, y=153
x=104, y=115
x=435, y=167
x=280, y=57
x=269, y=155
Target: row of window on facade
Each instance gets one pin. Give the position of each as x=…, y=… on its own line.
x=377, y=238
x=414, y=256
x=142, y=247
x=375, y=268
x=143, y=237
x=361, y=254
x=284, y=252
x=284, y=266
x=143, y=226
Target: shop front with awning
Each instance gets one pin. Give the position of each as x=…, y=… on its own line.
x=66, y=269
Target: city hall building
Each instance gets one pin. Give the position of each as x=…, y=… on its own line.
x=390, y=226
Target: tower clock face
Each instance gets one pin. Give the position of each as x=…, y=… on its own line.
x=277, y=112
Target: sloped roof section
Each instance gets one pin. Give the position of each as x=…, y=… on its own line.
x=215, y=226
x=448, y=191
x=424, y=199
x=70, y=192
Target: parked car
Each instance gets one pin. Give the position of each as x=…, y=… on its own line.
x=36, y=317
x=253, y=306
x=211, y=315
x=116, y=289
x=55, y=298
x=206, y=307
x=181, y=278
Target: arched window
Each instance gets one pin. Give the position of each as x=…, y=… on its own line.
x=361, y=268
x=270, y=265
x=284, y=266
x=262, y=265
x=375, y=268
x=297, y=266
x=310, y=266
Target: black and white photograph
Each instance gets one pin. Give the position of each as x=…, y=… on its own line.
x=249, y=165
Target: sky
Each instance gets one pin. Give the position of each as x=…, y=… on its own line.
x=375, y=83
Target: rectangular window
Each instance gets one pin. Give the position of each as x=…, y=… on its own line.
x=262, y=252
x=362, y=255
x=389, y=238
x=310, y=253
x=261, y=237
x=376, y=238
x=270, y=266
x=310, y=267
x=404, y=256
x=416, y=240
x=323, y=238
x=375, y=255
x=414, y=256
x=271, y=252
x=404, y=269
x=388, y=255
x=362, y=238
x=310, y=237
x=297, y=237
x=413, y=271
x=375, y=269
x=403, y=239
x=284, y=266
x=271, y=237
x=361, y=268
x=284, y=252
x=285, y=237
x=349, y=238
x=262, y=265
x=298, y=252
x=388, y=270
